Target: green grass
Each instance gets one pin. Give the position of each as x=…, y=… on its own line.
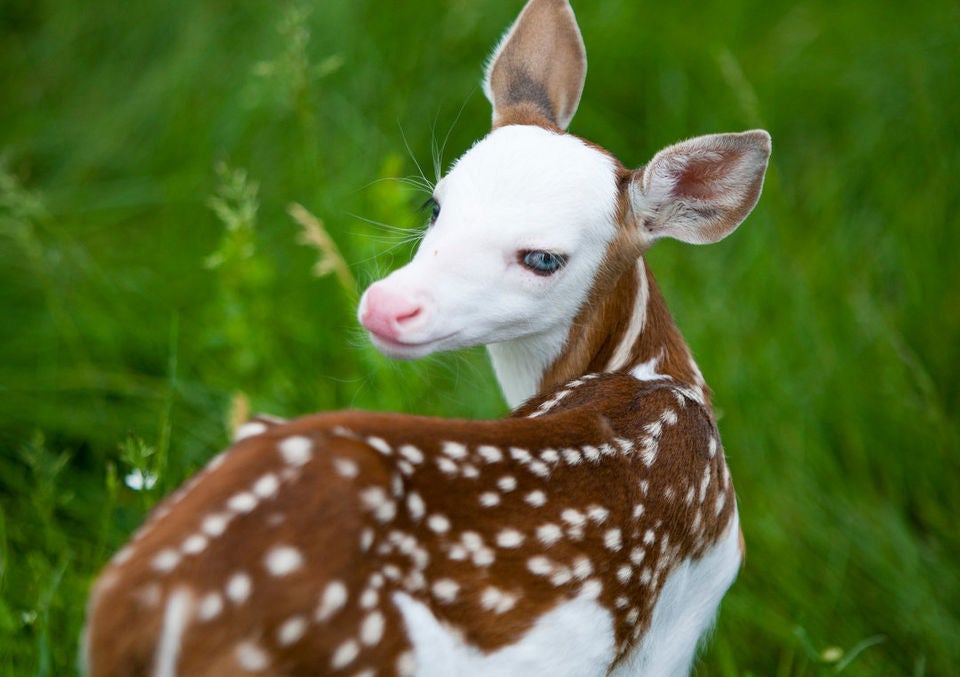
x=152, y=280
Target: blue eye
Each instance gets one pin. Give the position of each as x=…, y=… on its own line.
x=434, y=209
x=542, y=263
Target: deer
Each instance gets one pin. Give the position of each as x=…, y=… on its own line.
x=592, y=531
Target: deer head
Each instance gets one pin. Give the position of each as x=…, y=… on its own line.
x=532, y=222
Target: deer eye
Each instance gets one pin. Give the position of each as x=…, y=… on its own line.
x=434, y=208
x=542, y=263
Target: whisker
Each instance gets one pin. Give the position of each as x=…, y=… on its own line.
x=438, y=160
x=411, y=181
x=403, y=135
x=384, y=226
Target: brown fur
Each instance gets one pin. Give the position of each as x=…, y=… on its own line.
x=324, y=518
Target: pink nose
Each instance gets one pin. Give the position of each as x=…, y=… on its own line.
x=386, y=313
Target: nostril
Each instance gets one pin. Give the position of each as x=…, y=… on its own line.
x=407, y=315
x=388, y=313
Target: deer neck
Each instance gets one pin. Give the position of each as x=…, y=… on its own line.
x=624, y=326
x=520, y=364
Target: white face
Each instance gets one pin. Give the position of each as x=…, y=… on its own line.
x=520, y=191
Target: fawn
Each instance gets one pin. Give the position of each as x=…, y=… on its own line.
x=594, y=531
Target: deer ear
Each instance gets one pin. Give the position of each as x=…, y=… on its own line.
x=539, y=66
x=700, y=190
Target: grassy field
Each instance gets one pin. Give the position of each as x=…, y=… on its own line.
x=155, y=284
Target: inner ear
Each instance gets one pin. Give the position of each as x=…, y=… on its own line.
x=703, y=178
x=700, y=190
x=539, y=67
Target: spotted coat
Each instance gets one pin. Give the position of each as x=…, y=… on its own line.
x=288, y=555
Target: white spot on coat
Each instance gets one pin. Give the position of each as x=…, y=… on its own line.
x=165, y=560
x=291, y=631
x=483, y=557
x=296, y=450
x=239, y=587
x=721, y=500
x=445, y=590
x=548, y=534
x=249, y=430
x=210, y=606
x=705, y=483
x=582, y=567
x=597, y=513
x=573, y=517
x=536, y=498
x=496, y=600
x=371, y=630
x=520, y=455
x=266, y=486
x=345, y=654
x=540, y=565
x=472, y=541
x=251, y=657
x=243, y=502
x=122, y=555
x=455, y=450
x=149, y=595
x=283, y=560
x=411, y=453
x=549, y=456
x=539, y=468
x=509, y=538
x=333, y=598
x=490, y=454
x=415, y=506
x=561, y=576
x=194, y=544
x=376, y=500
x=380, y=445
x=369, y=598
x=591, y=589
x=489, y=499
x=346, y=467
x=591, y=453
x=447, y=466
x=438, y=523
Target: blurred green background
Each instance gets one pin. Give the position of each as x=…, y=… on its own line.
x=154, y=285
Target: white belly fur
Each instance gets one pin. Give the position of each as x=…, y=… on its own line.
x=575, y=639
x=685, y=610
